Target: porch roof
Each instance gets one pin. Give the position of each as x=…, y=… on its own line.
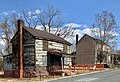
x=114, y=53
x=60, y=53
x=111, y=52
x=7, y=55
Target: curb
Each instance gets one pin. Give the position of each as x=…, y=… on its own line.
x=72, y=76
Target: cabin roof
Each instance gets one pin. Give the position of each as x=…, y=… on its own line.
x=42, y=35
x=60, y=53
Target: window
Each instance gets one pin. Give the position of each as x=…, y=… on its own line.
x=67, y=61
x=44, y=60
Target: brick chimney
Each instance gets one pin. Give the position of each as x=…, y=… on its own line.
x=58, y=34
x=76, y=39
x=20, y=24
x=20, y=45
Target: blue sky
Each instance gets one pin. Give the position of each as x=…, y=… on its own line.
x=81, y=12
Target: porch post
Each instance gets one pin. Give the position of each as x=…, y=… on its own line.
x=63, y=74
x=62, y=62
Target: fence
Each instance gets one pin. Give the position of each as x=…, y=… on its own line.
x=75, y=69
x=53, y=70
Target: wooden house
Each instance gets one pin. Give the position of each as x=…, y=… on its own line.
x=40, y=50
x=88, y=51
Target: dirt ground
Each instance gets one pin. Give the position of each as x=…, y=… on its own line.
x=25, y=79
x=37, y=79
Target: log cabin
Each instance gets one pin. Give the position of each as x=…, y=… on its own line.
x=39, y=50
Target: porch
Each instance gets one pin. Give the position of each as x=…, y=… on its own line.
x=57, y=61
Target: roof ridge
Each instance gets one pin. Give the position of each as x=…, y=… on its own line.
x=95, y=39
x=45, y=35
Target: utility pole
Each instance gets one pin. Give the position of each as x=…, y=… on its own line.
x=20, y=31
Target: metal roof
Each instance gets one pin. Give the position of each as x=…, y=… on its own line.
x=39, y=34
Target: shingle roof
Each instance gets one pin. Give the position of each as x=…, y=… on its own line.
x=39, y=34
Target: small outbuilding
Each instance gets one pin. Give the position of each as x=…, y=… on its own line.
x=88, y=51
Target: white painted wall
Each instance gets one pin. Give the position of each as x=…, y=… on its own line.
x=68, y=49
x=55, y=45
x=41, y=56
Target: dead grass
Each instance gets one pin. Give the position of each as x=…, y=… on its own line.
x=37, y=79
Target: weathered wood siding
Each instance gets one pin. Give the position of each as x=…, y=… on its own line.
x=15, y=57
x=7, y=64
x=55, y=46
x=66, y=48
x=28, y=50
x=45, y=45
x=85, y=51
x=38, y=45
x=41, y=56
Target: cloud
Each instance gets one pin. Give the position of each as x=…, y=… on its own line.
x=13, y=11
x=40, y=27
x=34, y=13
x=38, y=11
x=30, y=13
x=80, y=33
x=97, y=32
x=74, y=25
x=5, y=13
x=2, y=42
x=81, y=30
x=87, y=31
x=85, y=26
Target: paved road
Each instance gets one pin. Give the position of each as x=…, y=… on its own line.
x=105, y=76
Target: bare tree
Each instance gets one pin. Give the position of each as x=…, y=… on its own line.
x=105, y=29
x=49, y=19
x=30, y=18
x=7, y=29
